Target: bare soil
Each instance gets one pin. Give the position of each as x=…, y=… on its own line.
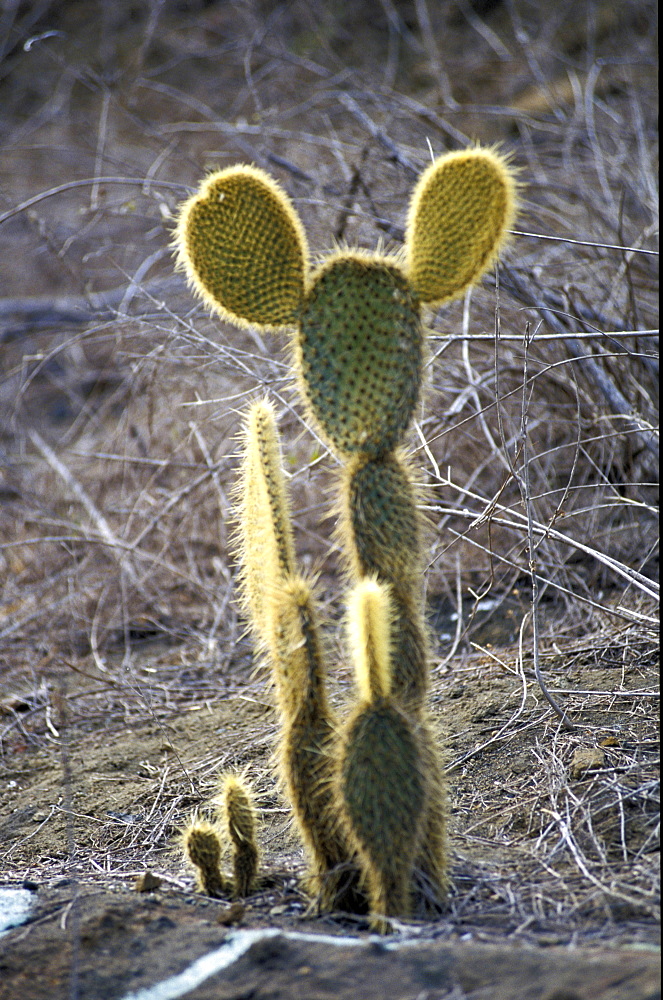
x=127, y=683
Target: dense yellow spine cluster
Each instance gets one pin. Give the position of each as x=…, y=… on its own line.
x=369, y=638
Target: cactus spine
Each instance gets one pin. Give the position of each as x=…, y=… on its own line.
x=358, y=349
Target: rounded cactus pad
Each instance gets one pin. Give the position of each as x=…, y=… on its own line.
x=243, y=248
x=359, y=352
x=461, y=210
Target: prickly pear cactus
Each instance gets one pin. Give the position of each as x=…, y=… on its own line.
x=368, y=795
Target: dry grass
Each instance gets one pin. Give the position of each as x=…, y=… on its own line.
x=537, y=440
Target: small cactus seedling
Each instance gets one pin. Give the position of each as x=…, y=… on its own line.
x=203, y=847
x=240, y=818
x=375, y=796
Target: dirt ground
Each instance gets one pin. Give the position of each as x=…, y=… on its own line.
x=128, y=684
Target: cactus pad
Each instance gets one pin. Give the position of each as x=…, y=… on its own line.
x=461, y=209
x=241, y=822
x=202, y=846
x=265, y=532
x=359, y=352
x=380, y=518
x=382, y=766
x=384, y=794
x=243, y=248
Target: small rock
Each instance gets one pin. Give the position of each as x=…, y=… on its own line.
x=587, y=759
x=147, y=882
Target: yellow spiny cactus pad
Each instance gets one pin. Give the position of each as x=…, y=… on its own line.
x=202, y=846
x=461, y=210
x=359, y=352
x=265, y=532
x=369, y=637
x=243, y=248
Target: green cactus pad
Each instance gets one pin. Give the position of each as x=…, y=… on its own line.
x=380, y=525
x=461, y=210
x=359, y=352
x=384, y=794
x=243, y=248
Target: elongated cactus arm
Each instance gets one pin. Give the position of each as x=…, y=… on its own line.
x=308, y=745
x=266, y=543
x=461, y=211
x=243, y=248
